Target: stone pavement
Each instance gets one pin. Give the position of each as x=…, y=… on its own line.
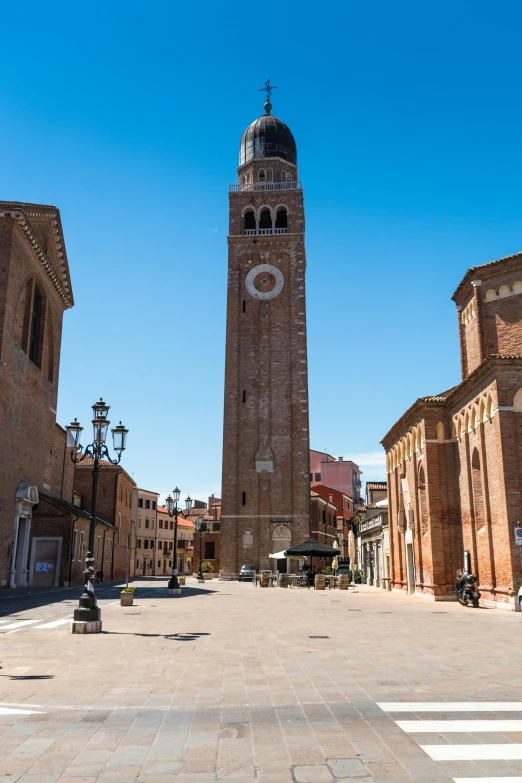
x=234, y=683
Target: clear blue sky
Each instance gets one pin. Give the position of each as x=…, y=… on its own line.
x=127, y=116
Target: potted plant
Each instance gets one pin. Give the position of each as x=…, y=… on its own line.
x=127, y=596
x=181, y=580
x=207, y=570
x=328, y=570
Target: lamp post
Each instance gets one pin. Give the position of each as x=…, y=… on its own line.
x=87, y=616
x=173, y=510
x=198, y=525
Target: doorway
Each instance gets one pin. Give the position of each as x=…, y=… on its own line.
x=45, y=562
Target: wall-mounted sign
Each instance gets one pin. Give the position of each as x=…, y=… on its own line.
x=518, y=535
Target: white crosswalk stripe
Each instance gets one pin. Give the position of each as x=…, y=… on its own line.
x=11, y=711
x=55, y=623
x=502, y=752
x=450, y=706
x=510, y=779
x=18, y=624
x=461, y=752
x=452, y=726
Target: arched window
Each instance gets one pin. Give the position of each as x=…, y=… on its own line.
x=517, y=402
x=459, y=427
x=504, y=290
x=265, y=221
x=261, y=176
x=482, y=409
x=466, y=423
x=491, y=294
x=288, y=176
x=489, y=407
x=440, y=432
x=249, y=220
x=281, y=219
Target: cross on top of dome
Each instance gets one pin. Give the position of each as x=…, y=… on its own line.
x=268, y=88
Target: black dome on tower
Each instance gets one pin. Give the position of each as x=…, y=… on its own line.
x=267, y=137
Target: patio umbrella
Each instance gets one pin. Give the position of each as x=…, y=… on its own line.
x=312, y=548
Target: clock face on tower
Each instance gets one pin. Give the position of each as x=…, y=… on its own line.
x=264, y=281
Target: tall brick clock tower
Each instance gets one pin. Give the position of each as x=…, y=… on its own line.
x=266, y=489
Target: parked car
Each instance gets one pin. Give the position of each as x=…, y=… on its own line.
x=246, y=572
x=520, y=599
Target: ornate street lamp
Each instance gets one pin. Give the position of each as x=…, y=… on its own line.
x=87, y=617
x=199, y=526
x=173, y=510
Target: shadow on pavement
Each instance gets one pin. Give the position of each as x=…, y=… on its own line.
x=23, y=599
x=176, y=637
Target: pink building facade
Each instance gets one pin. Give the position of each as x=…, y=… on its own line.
x=343, y=475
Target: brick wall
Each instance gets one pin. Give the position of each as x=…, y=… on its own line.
x=266, y=388
x=28, y=390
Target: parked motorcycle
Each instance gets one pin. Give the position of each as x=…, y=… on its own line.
x=467, y=592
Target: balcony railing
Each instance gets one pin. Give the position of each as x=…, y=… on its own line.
x=258, y=187
x=250, y=232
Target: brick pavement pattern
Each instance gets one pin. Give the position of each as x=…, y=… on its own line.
x=226, y=684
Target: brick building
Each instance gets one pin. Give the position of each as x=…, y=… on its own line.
x=323, y=515
x=265, y=436
x=454, y=460
x=344, y=514
x=35, y=289
x=115, y=535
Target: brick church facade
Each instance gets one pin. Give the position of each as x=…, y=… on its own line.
x=265, y=495
x=454, y=460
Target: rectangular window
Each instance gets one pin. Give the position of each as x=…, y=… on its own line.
x=73, y=545
x=146, y=543
x=147, y=524
x=147, y=503
x=244, y=395
x=152, y=544
x=119, y=527
x=160, y=523
x=171, y=525
x=244, y=498
x=36, y=325
x=154, y=505
x=311, y=477
x=244, y=305
x=318, y=477
x=159, y=563
x=139, y=521
x=139, y=543
x=209, y=550
x=140, y=502
x=152, y=524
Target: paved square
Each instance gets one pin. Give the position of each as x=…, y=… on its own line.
x=226, y=684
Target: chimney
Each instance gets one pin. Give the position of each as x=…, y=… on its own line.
x=341, y=459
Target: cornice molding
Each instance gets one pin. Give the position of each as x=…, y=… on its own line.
x=62, y=287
